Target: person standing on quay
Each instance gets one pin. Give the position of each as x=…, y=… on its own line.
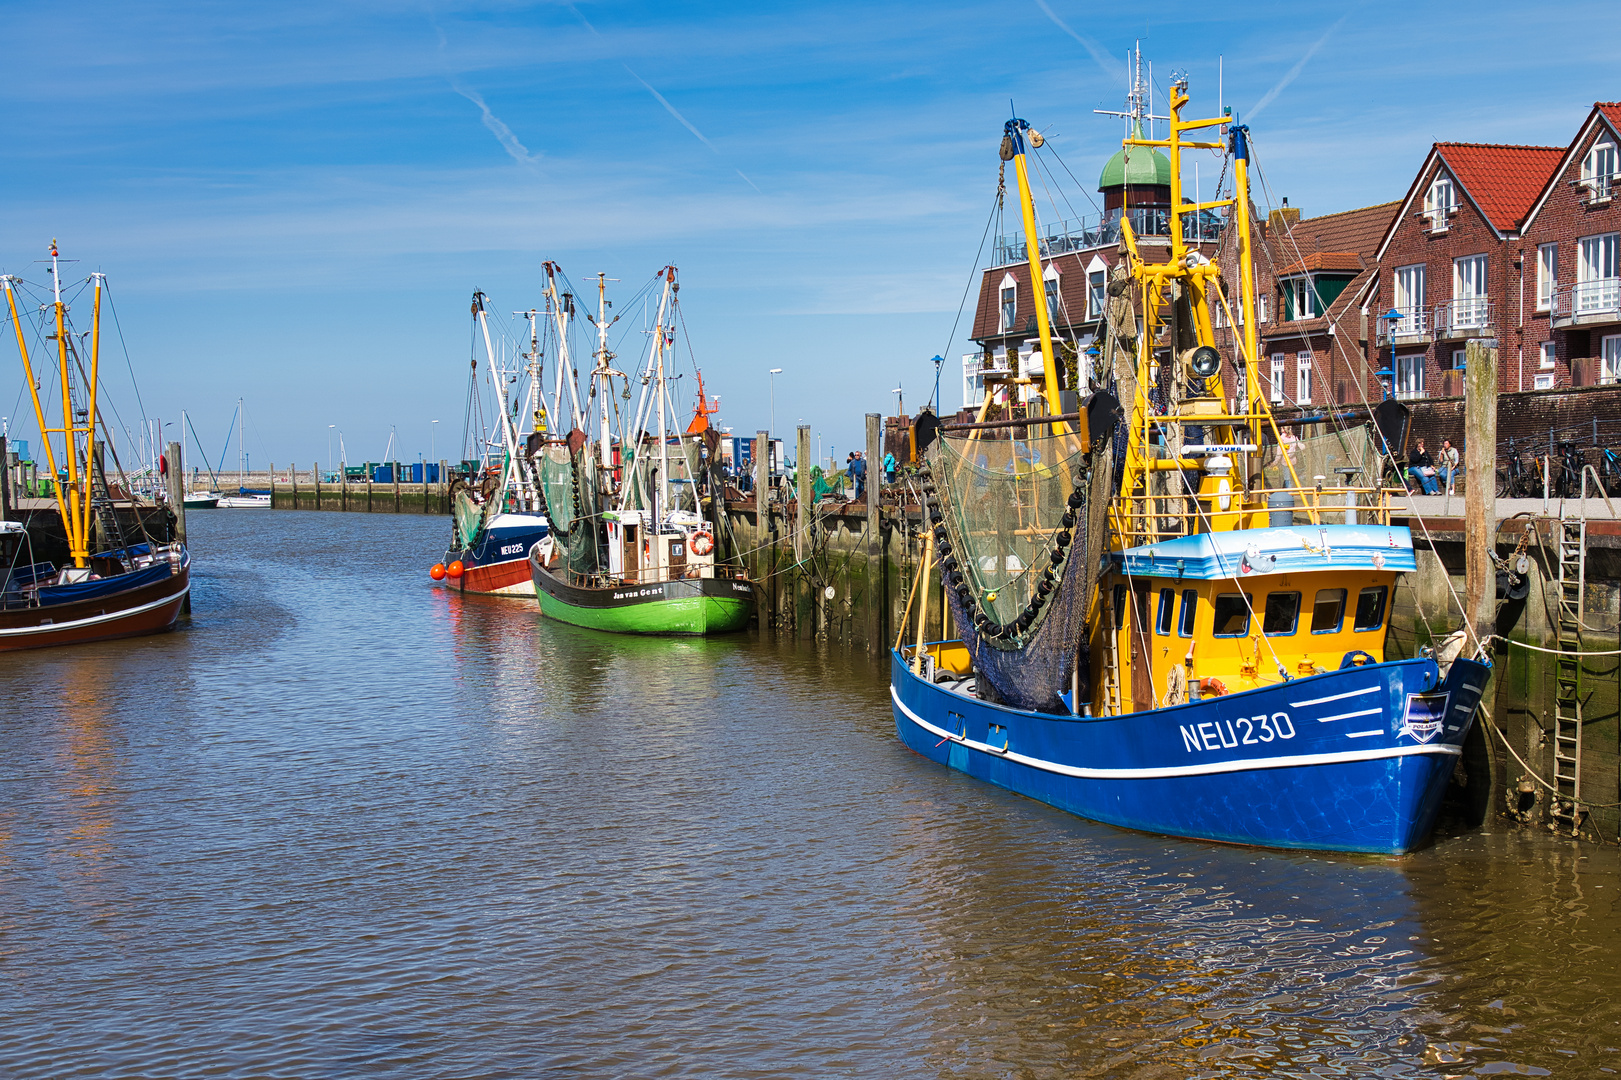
x=858, y=470
x=889, y=468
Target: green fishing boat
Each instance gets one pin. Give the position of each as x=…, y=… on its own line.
x=629, y=551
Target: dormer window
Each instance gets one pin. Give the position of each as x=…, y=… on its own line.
x=1010, y=304
x=1440, y=202
x=1050, y=280
x=1299, y=299
x=1598, y=170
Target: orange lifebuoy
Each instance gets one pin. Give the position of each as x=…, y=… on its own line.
x=702, y=543
x=1212, y=687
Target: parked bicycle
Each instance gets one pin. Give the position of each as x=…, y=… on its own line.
x=1518, y=476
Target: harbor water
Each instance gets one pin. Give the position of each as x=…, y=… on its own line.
x=345, y=824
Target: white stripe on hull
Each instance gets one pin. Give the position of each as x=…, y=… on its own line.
x=93, y=620
x=1207, y=769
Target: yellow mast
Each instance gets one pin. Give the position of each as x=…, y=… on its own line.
x=1013, y=142
x=74, y=509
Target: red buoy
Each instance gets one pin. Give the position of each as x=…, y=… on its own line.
x=454, y=570
x=437, y=572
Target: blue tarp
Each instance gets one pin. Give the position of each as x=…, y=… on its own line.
x=87, y=590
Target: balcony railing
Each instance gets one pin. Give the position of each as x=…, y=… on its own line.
x=1470, y=316
x=1598, y=187
x=1414, y=322
x=1082, y=234
x=1595, y=301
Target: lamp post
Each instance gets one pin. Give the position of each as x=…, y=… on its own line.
x=938, y=361
x=433, y=440
x=774, y=373
x=329, y=429
x=1387, y=375
x=900, y=407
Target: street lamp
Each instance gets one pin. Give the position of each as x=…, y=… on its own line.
x=1387, y=375
x=774, y=373
x=938, y=361
x=433, y=440
x=329, y=429
x=900, y=409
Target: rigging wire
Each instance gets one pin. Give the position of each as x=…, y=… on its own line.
x=974, y=271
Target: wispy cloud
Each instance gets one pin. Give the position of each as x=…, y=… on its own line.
x=1111, y=67
x=1294, y=72
x=662, y=100
x=503, y=134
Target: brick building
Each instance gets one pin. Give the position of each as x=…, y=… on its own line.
x=1076, y=259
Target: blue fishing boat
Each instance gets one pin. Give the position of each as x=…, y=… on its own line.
x=1157, y=623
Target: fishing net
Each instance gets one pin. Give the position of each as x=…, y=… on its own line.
x=1022, y=520
x=642, y=474
x=569, y=480
x=1325, y=456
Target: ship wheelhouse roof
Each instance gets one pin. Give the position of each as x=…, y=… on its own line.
x=1251, y=553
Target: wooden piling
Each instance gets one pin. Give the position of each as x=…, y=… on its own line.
x=396, y=487
x=875, y=590
x=765, y=551
x=175, y=483
x=1480, y=499
x=316, y=472
x=803, y=493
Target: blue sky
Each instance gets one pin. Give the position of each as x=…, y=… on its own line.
x=294, y=201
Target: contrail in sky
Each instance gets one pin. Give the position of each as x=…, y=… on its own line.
x=1101, y=58
x=503, y=134
x=662, y=100
x=1266, y=99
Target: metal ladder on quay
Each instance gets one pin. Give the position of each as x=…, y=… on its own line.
x=1567, y=813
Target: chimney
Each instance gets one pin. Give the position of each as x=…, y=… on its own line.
x=1282, y=218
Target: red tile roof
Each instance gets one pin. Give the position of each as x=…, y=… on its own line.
x=1332, y=261
x=1504, y=181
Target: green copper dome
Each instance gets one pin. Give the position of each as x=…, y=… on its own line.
x=1147, y=166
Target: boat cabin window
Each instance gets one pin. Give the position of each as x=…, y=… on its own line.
x=1282, y=614
x=1370, y=609
x=1190, y=609
x=1328, y=612
x=1232, y=614
x=1119, y=607
x=1167, y=607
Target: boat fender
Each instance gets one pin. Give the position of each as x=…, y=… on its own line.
x=454, y=570
x=1357, y=658
x=1212, y=687
x=437, y=571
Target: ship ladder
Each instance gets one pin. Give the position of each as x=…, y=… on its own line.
x=1111, y=670
x=1567, y=739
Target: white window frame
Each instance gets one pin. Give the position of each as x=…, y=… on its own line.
x=1469, y=305
x=1440, y=201
x=1598, y=273
x=1460, y=359
x=973, y=380
x=1007, y=306
x=1303, y=377
x=1407, y=286
x=1050, y=285
x=1610, y=355
x=1260, y=309
x=1097, y=284
x=1304, y=295
x=1409, y=376
x=1545, y=356
x=1542, y=382
x=1275, y=389
x=1547, y=274
x=1599, y=169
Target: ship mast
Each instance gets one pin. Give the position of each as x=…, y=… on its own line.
x=514, y=472
x=73, y=497
x=602, y=375
x=562, y=308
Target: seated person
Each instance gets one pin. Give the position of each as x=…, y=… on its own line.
x=1448, y=469
x=1422, y=469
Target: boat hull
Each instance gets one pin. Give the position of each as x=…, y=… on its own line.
x=1353, y=760
x=497, y=563
x=147, y=609
x=688, y=606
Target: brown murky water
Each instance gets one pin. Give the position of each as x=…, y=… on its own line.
x=344, y=825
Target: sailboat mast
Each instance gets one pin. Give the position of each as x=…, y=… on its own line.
x=39, y=409
x=662, y=393
x=513, y=469
x=604, y=384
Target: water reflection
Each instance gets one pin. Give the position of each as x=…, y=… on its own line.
x=347, y=824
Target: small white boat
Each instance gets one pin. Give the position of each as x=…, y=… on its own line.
x=244, y=502
x=200, y=500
